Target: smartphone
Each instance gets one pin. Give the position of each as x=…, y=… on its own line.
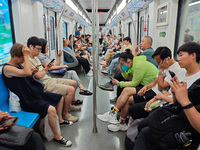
x=8, y=122
x=110, y=77
x=172, y=73
x=51, y=62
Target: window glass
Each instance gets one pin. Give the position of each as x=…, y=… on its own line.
x=44, y=22
x=188, y=25
x=141, y=27
x=65, y=35
x=6, y=36
x=52, y=31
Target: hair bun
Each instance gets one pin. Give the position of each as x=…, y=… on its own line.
x=128, y=51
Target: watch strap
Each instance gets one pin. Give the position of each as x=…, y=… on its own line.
x=188, y=106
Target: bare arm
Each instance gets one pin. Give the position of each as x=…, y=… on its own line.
x=41, y=74
x=180, y=89
x=162, y=84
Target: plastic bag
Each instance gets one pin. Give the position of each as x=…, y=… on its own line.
x=46, y=130
x=14, y=105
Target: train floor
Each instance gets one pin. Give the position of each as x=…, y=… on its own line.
x=80, y=133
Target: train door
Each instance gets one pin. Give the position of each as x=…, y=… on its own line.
x=65, y=29
x=143, y=24
x=49, y=32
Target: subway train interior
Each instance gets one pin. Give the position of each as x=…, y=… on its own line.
x=98, y=32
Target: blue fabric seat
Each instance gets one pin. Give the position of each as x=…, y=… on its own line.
x=26, y=119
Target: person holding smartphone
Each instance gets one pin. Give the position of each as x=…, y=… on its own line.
x=65, y=87
x=20, y=81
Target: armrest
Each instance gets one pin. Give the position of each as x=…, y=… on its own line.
x=74, y=63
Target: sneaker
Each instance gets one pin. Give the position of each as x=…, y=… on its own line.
x=105, y=72
x=108, y=116
x=66, y=123
x=89, y=74
x=75, y=108
x=102, y=63
x=63, y=142
x=108, y=86
x=118, y=127
x=114, y=100
x=71, y=118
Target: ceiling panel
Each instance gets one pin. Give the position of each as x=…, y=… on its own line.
x=102, y=4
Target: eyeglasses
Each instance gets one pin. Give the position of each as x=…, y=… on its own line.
x=39, y=49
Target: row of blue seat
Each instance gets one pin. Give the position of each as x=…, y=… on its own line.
x=26, y=119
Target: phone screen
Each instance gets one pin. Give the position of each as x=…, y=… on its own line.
x=9, y=122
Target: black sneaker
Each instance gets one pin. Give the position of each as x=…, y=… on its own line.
x=66, y=123
x=108, y=86
x=63, y=142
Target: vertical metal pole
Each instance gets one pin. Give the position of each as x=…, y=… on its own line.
x=72, y=35
x=95, y=64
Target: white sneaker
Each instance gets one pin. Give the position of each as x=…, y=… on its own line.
x=108, y=116
x=89, y=74
x=118, y=127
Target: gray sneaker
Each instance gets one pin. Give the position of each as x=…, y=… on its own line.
x=114, y=100
x=108, y=86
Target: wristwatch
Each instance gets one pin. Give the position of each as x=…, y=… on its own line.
x=160, y=73
x=188, y=106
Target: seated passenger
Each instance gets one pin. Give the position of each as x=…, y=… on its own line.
x=20, y=81
x=33, y=143
x=189, y=57
x=82, y=61
x=162, y=55
x=145, y=45
x=138, y=72
x=65, y=87
x=71, y=74
x=146, y=49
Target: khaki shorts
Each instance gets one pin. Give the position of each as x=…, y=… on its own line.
x=57, y=85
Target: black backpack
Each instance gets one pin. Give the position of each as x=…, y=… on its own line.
x=167, y=121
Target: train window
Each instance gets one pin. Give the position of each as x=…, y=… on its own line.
x=129, y=29
x=65, y=34
x=45, y=26
x=148, y=25
x=188, y=25
x=141, y=27
x=52, y=31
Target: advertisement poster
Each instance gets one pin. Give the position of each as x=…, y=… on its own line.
x=6, y=40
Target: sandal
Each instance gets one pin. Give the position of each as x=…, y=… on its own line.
x=85, y=92
x=77, y=102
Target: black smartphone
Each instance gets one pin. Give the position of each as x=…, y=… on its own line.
x=8, y=122
x=51, y=61
x=172, y=73
x=110, y=77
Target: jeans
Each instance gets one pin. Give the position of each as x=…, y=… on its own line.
x=112, y=65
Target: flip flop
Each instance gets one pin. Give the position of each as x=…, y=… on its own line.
x=77, y=102
x=85, y=92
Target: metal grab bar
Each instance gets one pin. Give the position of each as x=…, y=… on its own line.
x=95, y=50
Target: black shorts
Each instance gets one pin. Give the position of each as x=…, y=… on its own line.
x=147, y=96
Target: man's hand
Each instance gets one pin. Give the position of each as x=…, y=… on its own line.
x=180, y=90
x=35, y=69
x=149, y=103
x=115, y=81
x=60, y=53
x=142, y=91
x=164, y=64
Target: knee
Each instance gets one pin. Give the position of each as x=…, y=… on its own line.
x=73, y=83
x=51, y=111
x=70, y=90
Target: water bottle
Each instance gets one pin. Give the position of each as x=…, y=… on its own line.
x=154, y=105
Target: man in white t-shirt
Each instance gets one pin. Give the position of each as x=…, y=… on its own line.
x=131, y=95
